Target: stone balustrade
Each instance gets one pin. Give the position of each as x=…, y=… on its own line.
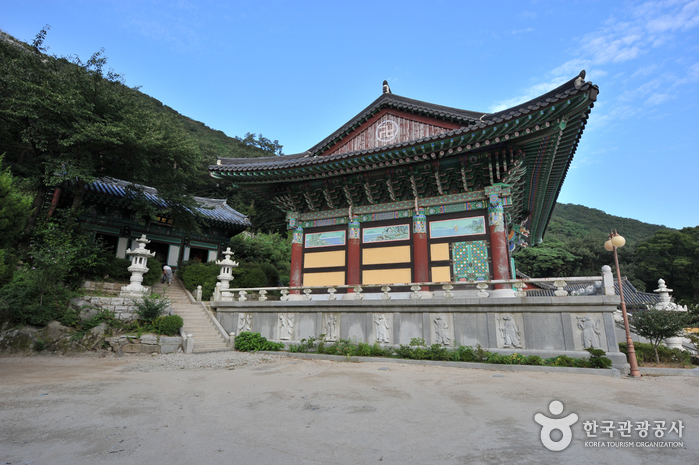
x=479, y=289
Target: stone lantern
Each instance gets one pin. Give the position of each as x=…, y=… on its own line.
x=139, y=259
x=226, y=275
x=666, y=304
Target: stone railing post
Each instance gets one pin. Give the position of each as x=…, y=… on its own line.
x=447, y=291
x=385, y=295
x=560, y=292
x=331, y=292
x=608, y=280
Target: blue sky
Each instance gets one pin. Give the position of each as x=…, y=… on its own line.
x=296, y=71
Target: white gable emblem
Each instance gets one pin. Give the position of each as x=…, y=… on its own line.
x=387, y=131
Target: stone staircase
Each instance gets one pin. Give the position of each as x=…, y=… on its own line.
x=207, y=337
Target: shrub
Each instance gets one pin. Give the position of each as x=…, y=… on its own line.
x=155, y=271
x=271, y=273
x=253, y=342
x=116, y=269
x=169, y=325
x=646, y=354
x=201, y=274
x=39, y=345
x=465, y=354
x=305, y=345
x=533, y=360
x=249, y=275
x=597, y=358
x=151, y=307
x=30, y=300
x=561, y=361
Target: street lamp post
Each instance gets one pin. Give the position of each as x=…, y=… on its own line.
x=614, y=242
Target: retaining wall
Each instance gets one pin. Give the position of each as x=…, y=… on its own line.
x=544, y=326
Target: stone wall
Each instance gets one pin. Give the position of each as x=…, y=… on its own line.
x=146, y=344
x=544, y=326
x=124, y=308
x=100, y=287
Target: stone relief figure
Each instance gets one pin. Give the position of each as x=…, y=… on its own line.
x=441, y=327
x=330, y=326
x=286, y=324
x=381, y=328
x=510, y=332
x=244, y=322
x=590, y=332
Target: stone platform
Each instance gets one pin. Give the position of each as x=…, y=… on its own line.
x=544, y=326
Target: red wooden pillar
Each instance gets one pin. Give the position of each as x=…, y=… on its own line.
x=498, y=242
x=296, y=278
x=421, y=271
x=353, y=255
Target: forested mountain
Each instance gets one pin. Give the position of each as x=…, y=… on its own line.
x=66, y=122
x=571, y=221
x=574, y=246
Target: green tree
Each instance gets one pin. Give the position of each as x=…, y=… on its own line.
x=66, y=122
x=658, y=325
x=548, y=259
x=674, y=256
x=14, y=208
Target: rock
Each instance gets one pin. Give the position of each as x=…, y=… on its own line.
x=150, y=339
x=169, y=348
x=88, y=312
x=131, y=349
x=170, y=340
x=148, y=349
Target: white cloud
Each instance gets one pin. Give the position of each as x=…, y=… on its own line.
x=657, y=99
x=684, y=18
x=528, y=94
x=522, y=31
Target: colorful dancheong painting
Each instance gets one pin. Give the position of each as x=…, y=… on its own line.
x=458, y=227
x=325, y=239
x=386, y=234
x=470, y=261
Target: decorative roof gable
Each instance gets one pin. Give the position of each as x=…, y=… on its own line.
x=413, y=120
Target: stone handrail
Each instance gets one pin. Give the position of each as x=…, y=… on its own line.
x=516, y=289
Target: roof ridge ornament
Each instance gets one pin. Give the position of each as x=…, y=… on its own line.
x=386, y=88
x=580, y=80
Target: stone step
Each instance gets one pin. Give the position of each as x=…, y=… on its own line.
x=203, y=342
x=210, y=346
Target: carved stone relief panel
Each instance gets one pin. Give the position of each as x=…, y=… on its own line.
x=588, y=331
x=285, y=326
x=331, y=326
x=509, y=329
x=382, y=328
x=441, y=329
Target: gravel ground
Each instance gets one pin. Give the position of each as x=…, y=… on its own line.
x=231, y=407
x=205, y=361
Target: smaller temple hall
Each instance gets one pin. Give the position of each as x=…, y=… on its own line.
x=412, y=192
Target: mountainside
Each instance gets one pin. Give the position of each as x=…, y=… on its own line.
x=570, y=221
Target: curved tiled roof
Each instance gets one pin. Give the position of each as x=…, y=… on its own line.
x=473, y=121
x=545, y=132
x=633, y=298
x=212, y=209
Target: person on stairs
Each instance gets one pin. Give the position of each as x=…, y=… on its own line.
x=167, y=274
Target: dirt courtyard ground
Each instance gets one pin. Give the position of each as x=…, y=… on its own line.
x=148, y=410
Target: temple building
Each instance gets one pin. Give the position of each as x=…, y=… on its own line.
x=413, y=192
x=109, y=216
